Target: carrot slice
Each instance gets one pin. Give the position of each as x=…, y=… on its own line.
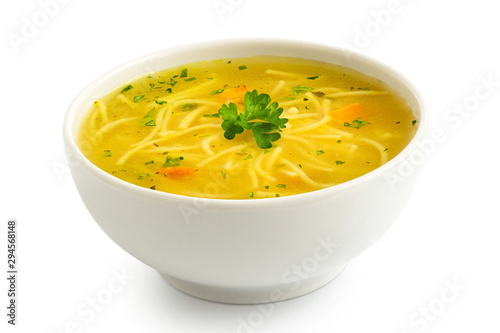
x=234, y=93
x=347, y=113
x=177, y=172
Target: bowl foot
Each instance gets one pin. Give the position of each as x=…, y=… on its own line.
x=252, y=295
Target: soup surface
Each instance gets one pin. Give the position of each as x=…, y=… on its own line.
x=213, y=128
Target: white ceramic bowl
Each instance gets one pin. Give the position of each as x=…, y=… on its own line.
x=245, y=251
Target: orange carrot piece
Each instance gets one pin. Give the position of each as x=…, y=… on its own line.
x=234, y=93
x=177, y=172
x=347, y=113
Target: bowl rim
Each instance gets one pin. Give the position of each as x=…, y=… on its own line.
x=313, y=196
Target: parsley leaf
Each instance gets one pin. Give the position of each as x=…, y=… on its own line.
x=356, y=123
x=300, y=89
x=127, y=88
x=260, y=117
x=172, y=162
x=149, y=118
x=139, y=98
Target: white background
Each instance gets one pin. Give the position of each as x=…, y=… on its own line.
x=448, y=235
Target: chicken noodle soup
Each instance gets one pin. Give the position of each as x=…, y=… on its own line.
x=192, y=130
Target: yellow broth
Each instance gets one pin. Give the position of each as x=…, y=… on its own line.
x=163, y=131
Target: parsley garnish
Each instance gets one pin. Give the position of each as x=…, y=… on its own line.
x=319, y=152
x=218, y=91
x=339, y=162
x=281, y=185
x=149, y=118
x=260, y=117
x=242, y=67
x=312, y=77
x=190, y=79
x=184, y=72
x=127, y=88
x=139, y=98
x=161, y=102
x=300, y=89
x=356, y=123
x=413, y=122
x=107, y=153
x=223, y=174
x=172, y=162
x=215, y=115
x=172, y=82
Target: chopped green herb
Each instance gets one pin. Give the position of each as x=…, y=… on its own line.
x=168, y=90
x=287, y=98
x=223, y=174
x=413, y=122
x=184, y=72
x=300, y=89
x=281, y=185
x=144, y=175
x=248, y=157
x=190, y=79
x=218, y=91
x=339, y=141
x=127, y=88
x=339, y=162
x=259, y=116
x=107, y=153
x=149, y=118
x=151, y=85
x=150, y=162
x=161, y=102
x=300, y=165
x=242, y=67
x=312, y=77
x=319, y=152
x=139, y=98
x=172, y=162
x=250, y=194
x=266, y=187
x=386, y=149
x=277, y=195
x=187, y=107
x=266, y=151
x=172, y=82
x=214, y=115
x=356, y=123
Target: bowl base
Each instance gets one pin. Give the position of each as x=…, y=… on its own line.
x=252, y=295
